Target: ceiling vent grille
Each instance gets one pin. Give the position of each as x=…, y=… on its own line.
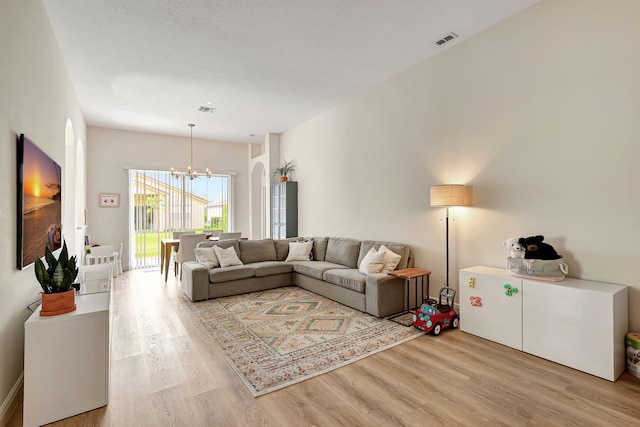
x=204, y=109
x=446, y=39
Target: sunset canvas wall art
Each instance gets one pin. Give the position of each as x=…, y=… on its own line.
x=41, y=193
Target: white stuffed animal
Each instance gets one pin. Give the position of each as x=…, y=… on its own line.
x=517, y=251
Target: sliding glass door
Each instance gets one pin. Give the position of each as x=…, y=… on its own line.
x=161, y=204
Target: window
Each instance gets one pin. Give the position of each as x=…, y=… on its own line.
x=162, y=204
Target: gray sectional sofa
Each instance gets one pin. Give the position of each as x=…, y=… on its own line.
x=332, y=272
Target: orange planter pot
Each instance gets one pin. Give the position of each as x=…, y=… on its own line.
x=60, y=303
x=284, y=178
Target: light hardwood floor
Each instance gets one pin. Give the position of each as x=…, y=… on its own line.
x=166, y=372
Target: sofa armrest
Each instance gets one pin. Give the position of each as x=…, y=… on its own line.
x=195, y=280
x=384, y=294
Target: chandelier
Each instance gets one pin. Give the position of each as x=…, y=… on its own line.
x=191, y=173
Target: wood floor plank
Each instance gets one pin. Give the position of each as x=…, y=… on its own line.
x=166, y=371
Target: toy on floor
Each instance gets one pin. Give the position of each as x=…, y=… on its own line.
x=434, y=316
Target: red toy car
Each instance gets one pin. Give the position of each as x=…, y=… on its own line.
x=434, y=316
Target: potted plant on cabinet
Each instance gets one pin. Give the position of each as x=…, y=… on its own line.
x=284, y=170
x=56, y=278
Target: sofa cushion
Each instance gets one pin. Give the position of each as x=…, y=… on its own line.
x=236, y=272
x=270, y=268
x=299, y=251
x=282, y=248
x=347, y=278
x=390, y=259
x=257, y=250
x=227, y=257
x=343, y=251
x=223, y=244
x=319, y=248
x=314, y=269
x=207, y=256
x=372, y=262
x=399, y=248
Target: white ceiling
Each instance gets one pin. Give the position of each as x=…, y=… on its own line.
x=265, y=66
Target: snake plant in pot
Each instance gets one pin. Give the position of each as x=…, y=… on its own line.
x=56, y=278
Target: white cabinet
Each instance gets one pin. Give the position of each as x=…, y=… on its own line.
x=66, y=361
x=284, y=210
x=577, y=323
x=487, y=310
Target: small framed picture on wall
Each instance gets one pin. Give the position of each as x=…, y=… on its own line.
x=109, y=200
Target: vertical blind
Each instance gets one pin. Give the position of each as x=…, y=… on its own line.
x=161, y=204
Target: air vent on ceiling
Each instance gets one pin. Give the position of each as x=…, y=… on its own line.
x=204, y=109
x=446, y=39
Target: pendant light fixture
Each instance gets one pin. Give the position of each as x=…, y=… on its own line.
x=190, y=172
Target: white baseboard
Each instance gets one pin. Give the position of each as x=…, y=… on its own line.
x=12, y=400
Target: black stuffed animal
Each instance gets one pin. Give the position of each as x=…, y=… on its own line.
x=534, y=248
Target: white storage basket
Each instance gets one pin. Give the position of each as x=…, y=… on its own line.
x=553, y=270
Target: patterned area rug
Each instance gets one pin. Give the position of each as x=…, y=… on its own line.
x=279, y=337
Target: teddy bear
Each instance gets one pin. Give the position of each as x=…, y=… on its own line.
x=513, y=245
x=534, y=248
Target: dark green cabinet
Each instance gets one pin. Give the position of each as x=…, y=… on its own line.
x=284, y=210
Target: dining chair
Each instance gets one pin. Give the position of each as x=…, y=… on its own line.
x=176, y=235
x=212, y=233
x=95, y=277
x=186, y=251
x=104, y=254
x=120, y=271
x=234, y=235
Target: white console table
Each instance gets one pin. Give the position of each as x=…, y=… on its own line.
x=577, y=323
x=66, y=360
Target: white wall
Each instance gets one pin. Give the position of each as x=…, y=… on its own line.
x=110, y=151
x=36, y=98
x=539, y=114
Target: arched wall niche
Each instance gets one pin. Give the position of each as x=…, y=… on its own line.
x=73, y=194
x=68, y=190
x=80, y=197
x=261, y=160
x=259, y=214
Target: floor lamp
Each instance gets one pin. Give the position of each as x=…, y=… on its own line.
x=448, y=196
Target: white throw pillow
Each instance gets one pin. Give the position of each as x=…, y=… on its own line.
x=391, y=259
x=227, y=257
x=372, y=262
x=207, y=256
x=299, y=251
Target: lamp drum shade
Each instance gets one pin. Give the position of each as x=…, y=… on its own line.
x=448, y=195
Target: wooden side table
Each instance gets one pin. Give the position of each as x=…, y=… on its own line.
x=408, y=274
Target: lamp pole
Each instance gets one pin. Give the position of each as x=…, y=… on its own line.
x=446, y=274
x=447, y=196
